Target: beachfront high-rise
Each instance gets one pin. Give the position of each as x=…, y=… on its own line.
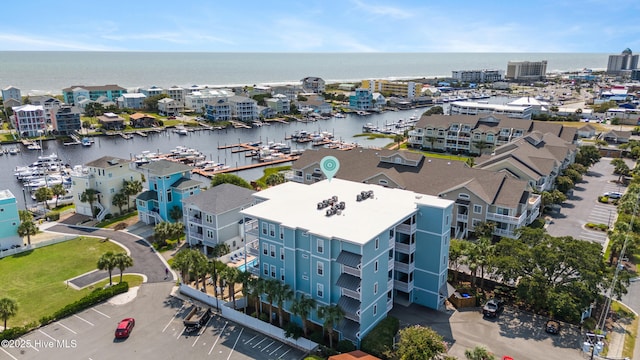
x=362, y=247
x=623, y=63
x=526, y=70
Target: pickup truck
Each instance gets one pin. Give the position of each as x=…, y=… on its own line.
x=196, y=318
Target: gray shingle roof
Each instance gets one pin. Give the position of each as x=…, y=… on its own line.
x=185, y=183
x=147, y=195
x=107, y=162
x=221, y=199
x=165, y=167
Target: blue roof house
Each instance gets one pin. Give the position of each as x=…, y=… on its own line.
x=168, y=184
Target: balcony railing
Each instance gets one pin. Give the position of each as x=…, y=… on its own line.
x=352, y=294
x=389, y=305
x=404, y=267
x=195, y=220
x=392, y=241
x=351, y=271
x=462, y=217
x=389, y=284
x=405, y=248
x=352, y=316
x=195, y=235
x=403, y=286
x=534, y=201
x=518, y=220
x=390, y=265
x=406, y=228
x=505, y=233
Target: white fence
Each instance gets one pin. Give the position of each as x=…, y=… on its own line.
x=39, y=244
x=245, y=320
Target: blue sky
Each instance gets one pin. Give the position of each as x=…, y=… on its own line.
x=601, y=26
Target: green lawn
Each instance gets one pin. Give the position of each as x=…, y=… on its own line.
x=36, y=279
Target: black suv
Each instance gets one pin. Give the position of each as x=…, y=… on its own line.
x=492, y=308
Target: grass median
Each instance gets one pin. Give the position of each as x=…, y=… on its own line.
x=36, y=278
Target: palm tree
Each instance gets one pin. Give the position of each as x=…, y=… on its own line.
x=245, y=278
x=58, y=190
x=43, y=195
x=120, y=199
x=90, y=196
x=107, y=262
x=231, y=275
x=478, y=353
x=131, y=188
x=122, y=261
x=271, y=287
x=332, y=315
x=256, y=290
x=484, y=249
x=8, y=308
x=182, y=263
x=27, y=227
x=481, y=145
x=284, y=293
x=302, y=307
x=215, y=267
x=175, y=213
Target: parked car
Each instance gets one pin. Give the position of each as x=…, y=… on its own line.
x=124, y=328
x=613, y=195
x=493, y=307
x=552, y=327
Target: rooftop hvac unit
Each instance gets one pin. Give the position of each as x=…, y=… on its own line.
x=359, y=197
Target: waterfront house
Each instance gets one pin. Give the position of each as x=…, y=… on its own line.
x=106, y=176
x=76, y=93
x=315, y=104
x=279, y=103
x=153, y=91
x=29, y=120
x=265, y=112
x=11, y=103
x=9, y=221
x=479, y=195
x=197, y=100
x=177, y=93
x=111, y=121
x=65, y=120
x=168, y=184
x=11, y=93
x=361, y=247
x=312, y=84
x=218, y=110
x=213, y=217
x=290, y=91
x=131, y=101
x=361, y=100
x=169, y=107
x=48, y=103
x=243, y=108
x=140, y=120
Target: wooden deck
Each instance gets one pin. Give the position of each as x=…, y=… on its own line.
x=211, y=174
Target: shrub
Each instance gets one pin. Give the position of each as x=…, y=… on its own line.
x=293, y=331
x=17, y=331
x=345, y=346
x=603, y=199
x=380, y=340
x=120, y=226
x=264, y=317
x=96, y=296
x=317, y=337
x=53, y=216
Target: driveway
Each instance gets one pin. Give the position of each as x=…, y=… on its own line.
x=145, y=259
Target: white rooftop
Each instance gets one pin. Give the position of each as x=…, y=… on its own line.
x=6, y=194
x=294, y=205
x=133, y=95
x=487, y=106
x=28, y=107
x=528, y=101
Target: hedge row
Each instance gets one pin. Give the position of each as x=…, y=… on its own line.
x=95, y=297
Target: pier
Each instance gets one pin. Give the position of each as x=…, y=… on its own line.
x=211, y=174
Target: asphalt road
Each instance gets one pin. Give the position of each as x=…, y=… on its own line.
x=158, y=334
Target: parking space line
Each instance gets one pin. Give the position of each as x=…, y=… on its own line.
x=278, y=348
x=47, y=335
x=181, y=332
x=271, y=343
x=219, y=335
x=87, y=321
x=61, y=324
x=31, y=346
x=201, y=331
x=254, y=346
x=285, y=353
x=174, y=316
x=250, y=340
x=11, y=356
x=101, y=313
x=235, y=343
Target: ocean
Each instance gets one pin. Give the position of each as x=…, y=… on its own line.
x=37, y=73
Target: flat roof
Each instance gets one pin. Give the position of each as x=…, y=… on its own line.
x=6, y=194
x=294, y=205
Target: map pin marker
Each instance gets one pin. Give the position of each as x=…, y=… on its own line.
x=329, y=166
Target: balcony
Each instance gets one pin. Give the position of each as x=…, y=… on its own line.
x=534, y=201
x=405, y=248
x=406, y=228
x=403, y=286
x=392, y=241
x=195, y=220
x=352, y=271
x=404, y=267
x=462, y=217
x=352, y=294
x=515, y=220
x=389, y=305
x=195, y=235
x=389, y=284
x=390, y=264
x=506, y=233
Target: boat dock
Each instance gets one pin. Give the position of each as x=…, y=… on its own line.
x=211, y=174
x=239, y=125
x=242, y=147
x=140, y=133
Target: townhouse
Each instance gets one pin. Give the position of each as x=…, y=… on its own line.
x=479, y=195
x=106, y=176
x=177, y=93
x=279, y=103
x=243, y=108
x=218, y=110
x=168, y=184
x=65, y=120
x=73, y=94
x=29, y=120
x=213, y=217
x=131, y=101
x=360, y=246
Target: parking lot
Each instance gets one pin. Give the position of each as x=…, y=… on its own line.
x=159, y=333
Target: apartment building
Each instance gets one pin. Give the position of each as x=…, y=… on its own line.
x=477, y=76
x=29, y=120
x=361, y=100
x=106, y=176
x=361, y=247
x=526, y=70
x=168, y=184
x=407, y=89
x=218, y=110
x=243, y=108
x=73, y=94
x=9, y=220
x=11, y=93
x=65, y=119
x=479, y=108
x=623, y=63
x=213, y=217
x=479, y=195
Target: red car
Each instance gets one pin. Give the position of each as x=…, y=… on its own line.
x=124, y=328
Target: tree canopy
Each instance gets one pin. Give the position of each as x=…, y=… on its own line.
x=230, y=179
x=588, y=155
x=419, y=342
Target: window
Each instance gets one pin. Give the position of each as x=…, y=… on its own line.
x=320, y=246
x=375, y=266
x=273, y=271
x=265, y=249
x=209, y=218
x=272, y=230
x=281, y=274
x=305, y=234
x=383, y=182
x=264, y=228
x=281, y=253
x=169, y=195
x=375, y=288
x=320, y=267
x=463, y=196
x=477, y=209
x=320, y=290
x=377, y=243
x=308, y=177
x=490, y=138
x=265, y=269
x=305, y=277
x=272, y=250
x=281, y=233
x=209, y=234
x=475, y=222
x=375, y=309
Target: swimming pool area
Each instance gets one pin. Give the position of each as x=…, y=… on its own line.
x=253, y=262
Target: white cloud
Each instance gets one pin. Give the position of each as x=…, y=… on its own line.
x=14, y=42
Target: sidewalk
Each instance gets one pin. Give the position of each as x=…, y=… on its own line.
x=616, y=341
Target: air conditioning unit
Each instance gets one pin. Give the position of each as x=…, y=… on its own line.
x=359, y=197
